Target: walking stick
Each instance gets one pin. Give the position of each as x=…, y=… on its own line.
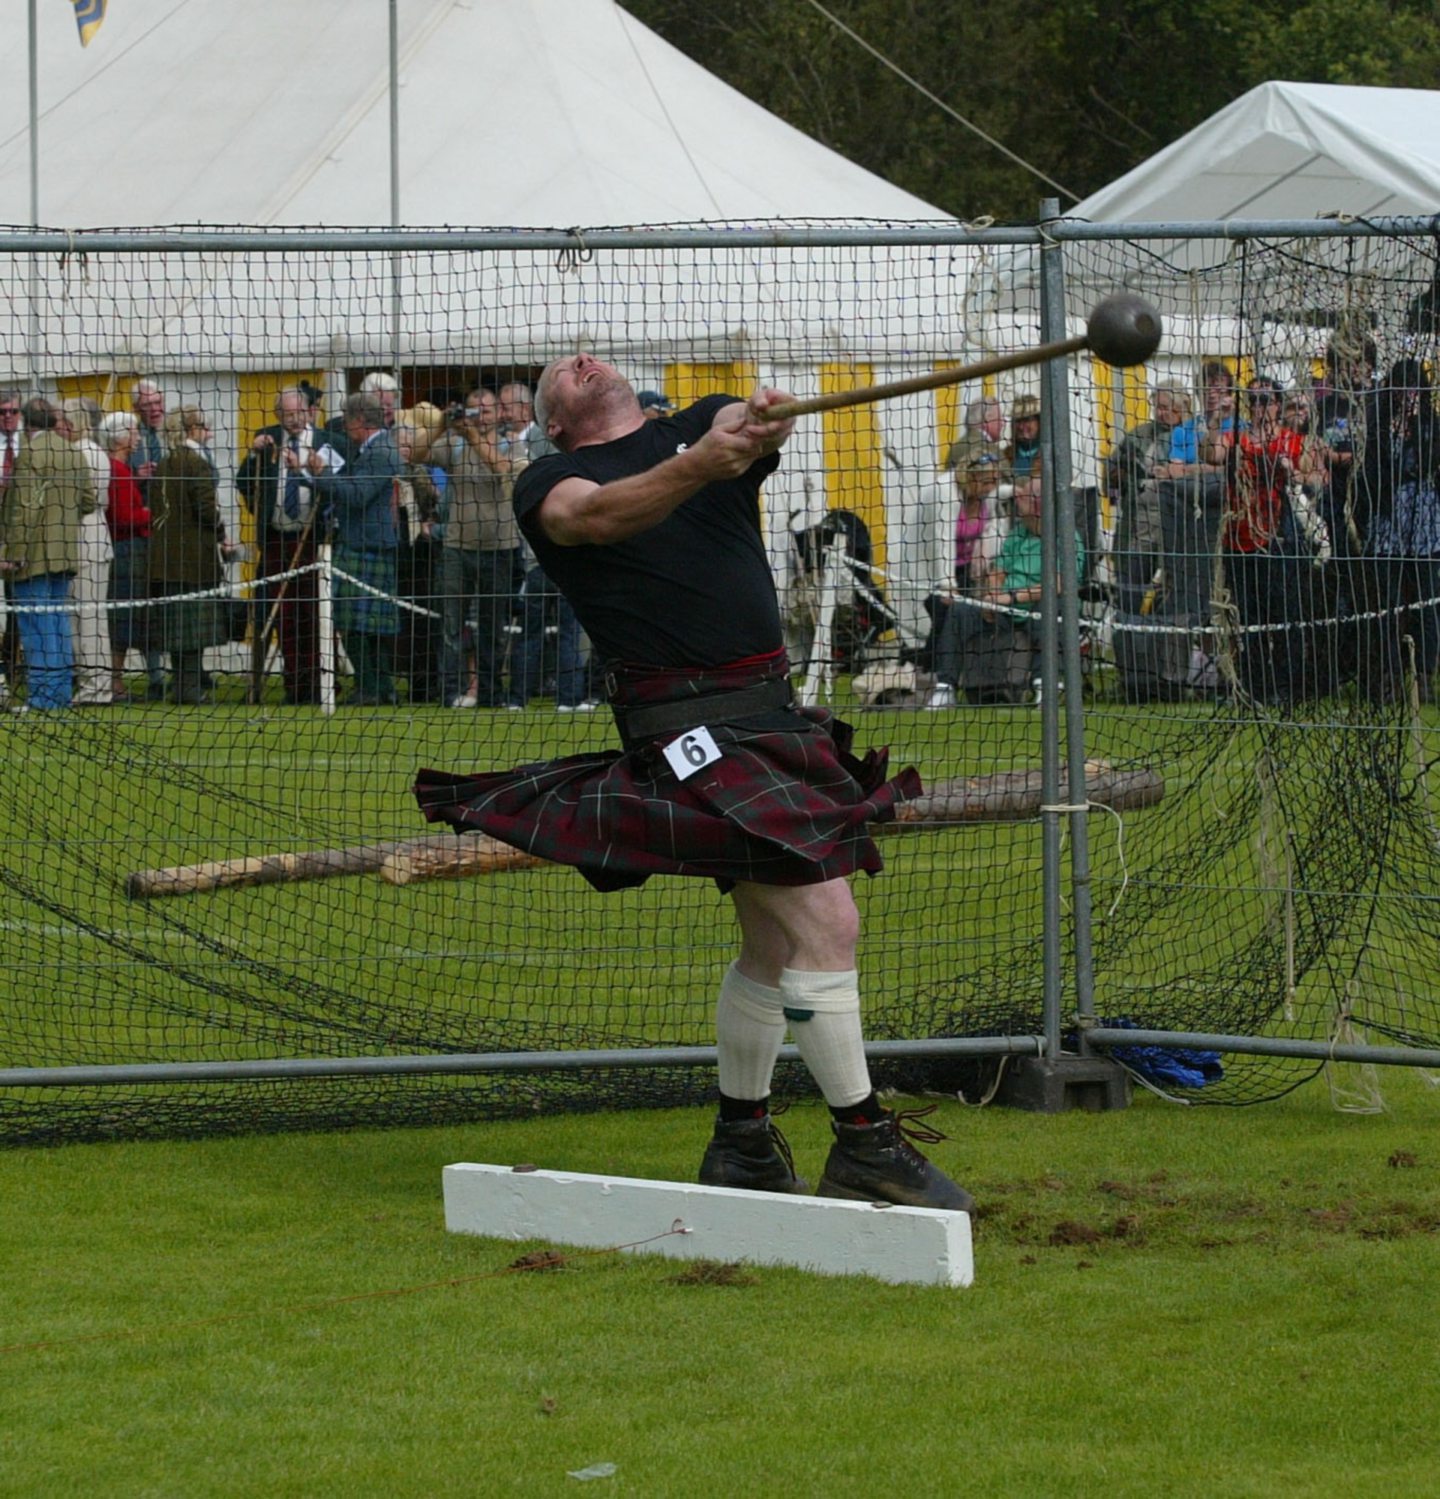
x=263, y=651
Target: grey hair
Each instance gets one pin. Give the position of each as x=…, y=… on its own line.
x=540, y=403
x=291, y=390
x=1177, y=392
x=365, y=406
x=975, y=411
x=114, y=426
x=83, y=414
x=145, y=387
x=378, y=380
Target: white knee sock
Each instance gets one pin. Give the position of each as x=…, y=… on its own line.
x=749, y=1031
x=824, y=1014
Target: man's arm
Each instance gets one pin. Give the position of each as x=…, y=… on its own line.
x=579, y=512
x=251, y=476
x=485, y=444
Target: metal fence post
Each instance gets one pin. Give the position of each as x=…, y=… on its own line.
x=1055, y=1082
x=1055, y=408
x=1052, y=316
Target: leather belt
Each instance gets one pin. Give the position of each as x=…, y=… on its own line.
x=654, y=719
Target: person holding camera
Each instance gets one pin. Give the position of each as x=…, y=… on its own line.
x=480, y=550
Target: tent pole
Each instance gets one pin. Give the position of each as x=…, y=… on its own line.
x=34, y=123
x=395, y=260
x=34, y=288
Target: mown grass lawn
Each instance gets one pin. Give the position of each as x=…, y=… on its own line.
x=1190, y=1301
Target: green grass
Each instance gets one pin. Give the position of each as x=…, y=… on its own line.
x=1190, y=1302
x=1200, y=936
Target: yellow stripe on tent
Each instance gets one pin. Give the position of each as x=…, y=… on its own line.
x=852, y=448
x=686, y=383
x=948, y=415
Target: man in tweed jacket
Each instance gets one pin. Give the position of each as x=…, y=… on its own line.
x=50, y=490
x=651, y=529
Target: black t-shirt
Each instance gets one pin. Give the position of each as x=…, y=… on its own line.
x=694, y=590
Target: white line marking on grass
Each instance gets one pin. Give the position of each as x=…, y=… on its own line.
x=100, y=934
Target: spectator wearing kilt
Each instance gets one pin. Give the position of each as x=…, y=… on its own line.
x=128, y=517
x=651, y=529
x=186, y=538
x=362, y=495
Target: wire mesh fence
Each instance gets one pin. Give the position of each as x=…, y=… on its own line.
x=220, y=684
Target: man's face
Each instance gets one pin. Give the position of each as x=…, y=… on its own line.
x=1027, y=430
x=9, y=415
x=150, y=407
x=578, y=382
x=1167, y=410
x=388, y=399
x=483, y=410
x=64, y=426
x=992, y=424
x=294, y=414
x=515, y=410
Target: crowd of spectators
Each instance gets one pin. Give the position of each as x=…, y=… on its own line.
x=113, y=548
x=1296, y=532
x=1268, y=542
x=1321, y=506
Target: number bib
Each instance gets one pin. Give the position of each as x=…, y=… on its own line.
x=692, y=751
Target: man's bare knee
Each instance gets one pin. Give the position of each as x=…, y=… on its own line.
x=817, y=926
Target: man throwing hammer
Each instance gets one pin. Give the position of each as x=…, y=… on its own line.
x=651, y=529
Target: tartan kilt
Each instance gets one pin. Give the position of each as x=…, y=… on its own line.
x=358, y=612
x=787, y=803
x=187, y=625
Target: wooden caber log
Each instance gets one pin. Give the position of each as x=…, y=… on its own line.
x=1004, y=796
x=1009, y=795
x=485, y=855
x=449, y=858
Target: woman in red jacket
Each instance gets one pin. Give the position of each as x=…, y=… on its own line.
x=129, y=522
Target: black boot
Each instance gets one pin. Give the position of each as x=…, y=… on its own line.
x=877, y=1163
x=750, y=1153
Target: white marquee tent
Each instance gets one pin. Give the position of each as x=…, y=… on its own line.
x=1289, y=151
x=512, y=113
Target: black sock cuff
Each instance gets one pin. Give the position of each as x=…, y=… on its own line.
x=732, y=1109
x=867, y=1111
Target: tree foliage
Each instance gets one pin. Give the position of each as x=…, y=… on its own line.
x=1082, y=90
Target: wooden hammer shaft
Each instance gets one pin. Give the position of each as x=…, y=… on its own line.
x=784, y=410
